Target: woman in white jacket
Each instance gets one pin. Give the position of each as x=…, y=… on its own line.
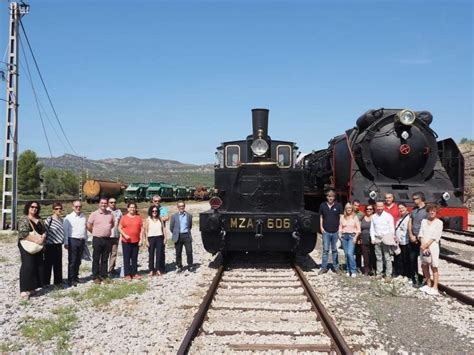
x=430, y=235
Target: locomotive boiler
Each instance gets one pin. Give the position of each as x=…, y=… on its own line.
x=258, y=203
x=389, y=150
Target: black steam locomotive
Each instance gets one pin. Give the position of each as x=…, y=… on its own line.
x=259, y=204
x=390, y=150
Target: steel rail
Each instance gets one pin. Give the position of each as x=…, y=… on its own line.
x=341, y=346
x=201, y=313
x=453, y=293
x=452, y=260
x=461, y=232
x=456, y=294
x=460, y=241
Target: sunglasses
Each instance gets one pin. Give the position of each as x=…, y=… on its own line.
x=35, y=207
x=57, y=208
x=155, y=211
x=112, y=202
x=77, y=206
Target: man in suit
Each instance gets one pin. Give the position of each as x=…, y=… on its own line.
x=180, y=227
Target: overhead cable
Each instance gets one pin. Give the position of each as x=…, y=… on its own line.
x=36, y=98
x=45, y=89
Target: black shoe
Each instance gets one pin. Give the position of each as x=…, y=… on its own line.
x=192, y=268
x=180, y=269
x=322, y=271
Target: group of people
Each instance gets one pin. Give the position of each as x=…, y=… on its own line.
x=41, y=242
x=382, y=232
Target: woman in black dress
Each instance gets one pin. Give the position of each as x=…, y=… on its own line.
x=32, y=265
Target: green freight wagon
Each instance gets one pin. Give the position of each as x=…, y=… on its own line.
x=180, y=192
x=191, y=191
x=160, y=188
x=135, y=192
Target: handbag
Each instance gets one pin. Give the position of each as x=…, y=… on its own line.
x=29, y=246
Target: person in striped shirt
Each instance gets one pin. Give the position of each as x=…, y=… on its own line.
x=53, y=254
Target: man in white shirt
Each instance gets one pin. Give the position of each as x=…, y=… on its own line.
x=380, y=227
x=75, y=237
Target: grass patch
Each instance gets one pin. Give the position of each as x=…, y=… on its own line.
x=45, y=329
x=100, y=295
x=24, y=302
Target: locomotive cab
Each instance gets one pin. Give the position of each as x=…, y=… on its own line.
x=260, y=190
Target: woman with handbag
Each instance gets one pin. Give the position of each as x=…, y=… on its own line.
x=32, y=235
x=430, y=235
x=402, y=260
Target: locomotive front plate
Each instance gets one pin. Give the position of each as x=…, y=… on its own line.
x=268, y=224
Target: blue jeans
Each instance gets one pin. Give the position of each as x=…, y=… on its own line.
x=329, y=239
x=349, y=246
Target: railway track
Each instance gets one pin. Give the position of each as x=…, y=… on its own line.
x=255, y=308
x=464, y=237
x=457, y=278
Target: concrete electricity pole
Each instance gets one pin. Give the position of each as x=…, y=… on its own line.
x=10, y=157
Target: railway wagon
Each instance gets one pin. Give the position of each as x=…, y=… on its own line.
x=191, y=191
x=180, y=192
x=135, y=192
x=259, y=203
x=390, y=150
x=94, y=189
x=160, y=188
x=201, y=193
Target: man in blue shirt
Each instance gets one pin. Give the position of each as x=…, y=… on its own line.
x=330, y=214
x=180, y=226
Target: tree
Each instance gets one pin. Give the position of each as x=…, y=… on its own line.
x=58, y=182
x=28, y=173
x=53, y=183
x=70, y=182
x=466, y=140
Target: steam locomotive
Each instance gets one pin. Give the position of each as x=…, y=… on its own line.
x=389, y=150
x=258, y=203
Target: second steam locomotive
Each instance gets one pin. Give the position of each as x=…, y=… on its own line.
x=390, y=150
x=259, y=203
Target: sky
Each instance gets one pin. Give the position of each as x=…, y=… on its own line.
x=173, y=79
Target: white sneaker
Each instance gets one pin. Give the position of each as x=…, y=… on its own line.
x=353, y=275
x=432, y=292
x=347, y=274
x=425, y=288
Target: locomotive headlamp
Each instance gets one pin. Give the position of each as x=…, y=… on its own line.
x=259, y=147
x=446, y=196
x=406, y=117
x=373, y=195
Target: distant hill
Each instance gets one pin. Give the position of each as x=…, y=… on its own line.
x=132, y=169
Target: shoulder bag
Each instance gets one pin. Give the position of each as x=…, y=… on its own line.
x=29, y=246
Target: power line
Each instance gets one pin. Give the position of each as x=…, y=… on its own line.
x=36, y=98
x=45, y=89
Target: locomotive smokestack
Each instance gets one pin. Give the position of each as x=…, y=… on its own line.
x=260, y=122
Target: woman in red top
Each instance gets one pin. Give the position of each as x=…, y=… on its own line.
x=130, y=228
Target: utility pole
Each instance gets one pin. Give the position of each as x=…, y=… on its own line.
x=10, y=157
x=81, y=183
